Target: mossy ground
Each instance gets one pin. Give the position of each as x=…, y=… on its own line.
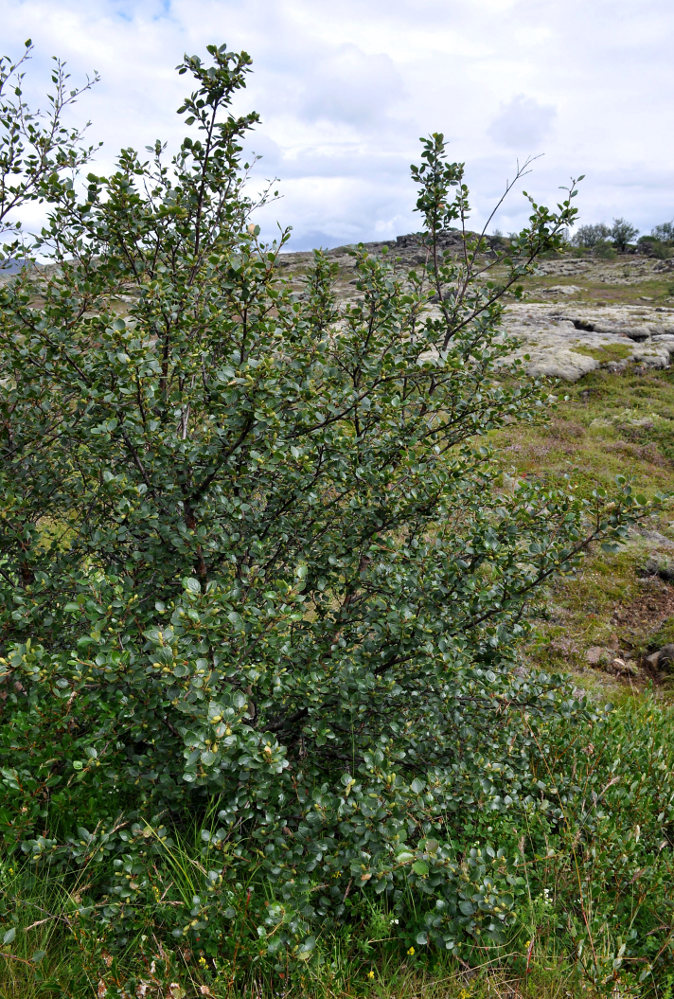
x=631, y=280
x=606, y=353
x=605, y=425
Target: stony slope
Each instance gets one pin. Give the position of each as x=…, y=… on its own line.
x=576, y=316
x=609, y=327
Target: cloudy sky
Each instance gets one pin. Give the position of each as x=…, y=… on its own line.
x=345, y=88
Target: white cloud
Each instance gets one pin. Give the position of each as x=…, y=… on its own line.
x=345, y=88
x=352, y=88
x=522, y=124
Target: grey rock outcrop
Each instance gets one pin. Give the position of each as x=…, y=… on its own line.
x=558, y=337
x=568, y=342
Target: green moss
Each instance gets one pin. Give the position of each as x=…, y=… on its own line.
x=607, y=283
x=606, y=353
x=607, y=424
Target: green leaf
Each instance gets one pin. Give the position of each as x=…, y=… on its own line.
x=306, y=949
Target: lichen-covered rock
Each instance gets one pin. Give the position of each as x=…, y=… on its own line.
x=569, y=342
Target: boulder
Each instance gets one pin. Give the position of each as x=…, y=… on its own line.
x=662, y=660
x=661, y=567
x=597, y=655
x=561, y=289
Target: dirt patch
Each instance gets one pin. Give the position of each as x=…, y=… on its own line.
x=620, y=629
x=642, y=617
x=636, y=625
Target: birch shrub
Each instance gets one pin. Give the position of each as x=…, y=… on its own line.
x=259, y=575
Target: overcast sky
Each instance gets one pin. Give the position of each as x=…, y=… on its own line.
x=345, y=88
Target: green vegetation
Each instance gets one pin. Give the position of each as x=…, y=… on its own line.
x=264, y=592
x=664, y=232
x=607, y=352
x=588, y=236
x=654, y=247
x=605, y=425
x=593, y=883
x=623, y=233
x=599, y=427
x=605, y=241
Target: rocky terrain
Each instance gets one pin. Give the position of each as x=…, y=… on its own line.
x=608, y=327
x=576, y=316
x=567, y=340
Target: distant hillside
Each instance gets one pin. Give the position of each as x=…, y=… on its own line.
x=12, y=265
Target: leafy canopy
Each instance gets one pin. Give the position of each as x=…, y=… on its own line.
x=259, y=569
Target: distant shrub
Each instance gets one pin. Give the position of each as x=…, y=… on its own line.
x=595, y=237
x=664, y=232
x=654, y=247
x=622, y=234
x=588, y=236
x=604, y=250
